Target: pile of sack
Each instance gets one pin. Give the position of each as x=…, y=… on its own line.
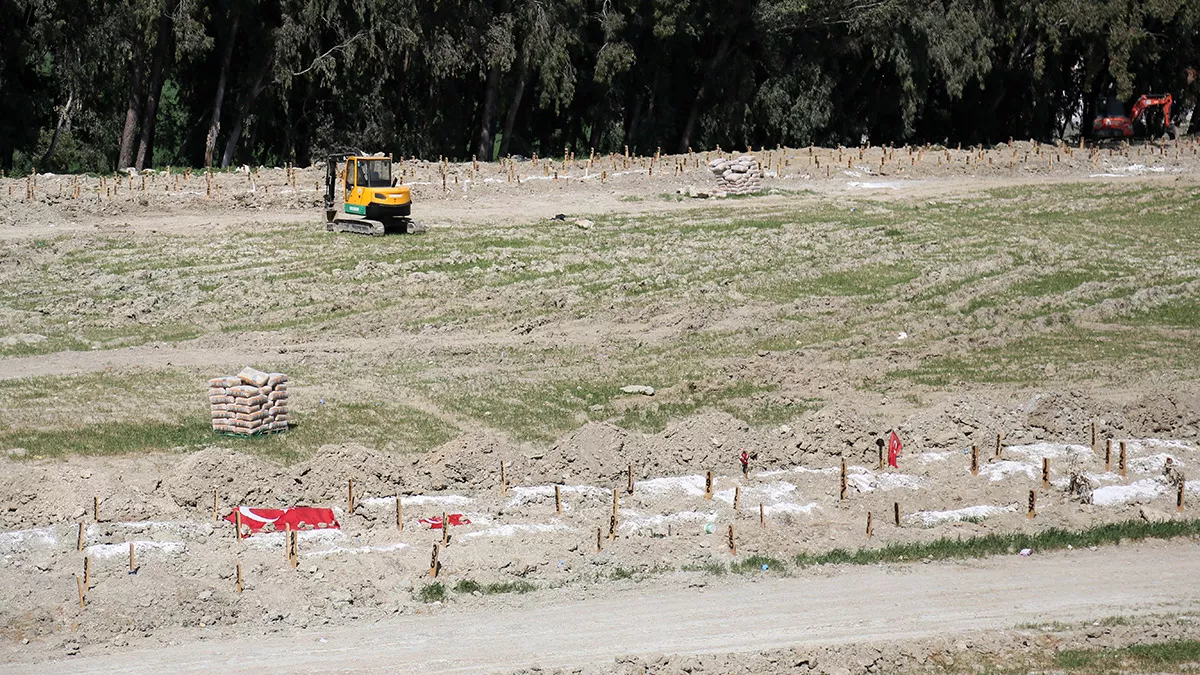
x=251, y=402
x=740, y=176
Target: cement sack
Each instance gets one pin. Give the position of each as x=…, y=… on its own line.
x=224, y=382
x=257, y=378
x=244, y=391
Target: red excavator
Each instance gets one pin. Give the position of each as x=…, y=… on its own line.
x=1111, y=121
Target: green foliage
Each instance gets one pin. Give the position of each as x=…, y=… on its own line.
x=430, y=77
x=435, y=592
x=1005, y=543
x=467, y=586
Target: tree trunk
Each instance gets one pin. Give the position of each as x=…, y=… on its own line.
x=214, y=124
x=63, y=118
x=694, y=114
x=133, y=109
x=162, y=48
x=235, y=134
x=511, y=116
x=483, y=149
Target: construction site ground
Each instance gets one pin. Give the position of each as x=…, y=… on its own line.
x=1036, y=304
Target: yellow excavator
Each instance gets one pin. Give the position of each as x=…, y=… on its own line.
x=372, y=200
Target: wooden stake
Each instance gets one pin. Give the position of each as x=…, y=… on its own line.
x=869, y=524
x=215, y=516
x=238, y=565
x=880, y=444
x=1121, y=459
x=843, y=479
x=95, y=509
x=350, y=494
x=997, y=446
x=557, y=500
x=1107, y=455
x=132, y=562
x=708, y=485
x=896, y=512
x=399, y=515
x=237, y=517
x=737, y=497
x=732, y=546
x=1179, y=498
x=974, y=460
x=599, y=539
x=433, y=562
x=79, y=588
x=287, y=542
x=295, y=557
x=87, y=573
x=1093, y=437
x=1032, y=503
x=612, y=527
x=762, y=516
x=1045, y=473
x=503, y=480
x=79, y=544
x=445, y=530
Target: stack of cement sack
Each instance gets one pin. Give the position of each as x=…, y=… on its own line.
x=739, y=176
x=251, y=402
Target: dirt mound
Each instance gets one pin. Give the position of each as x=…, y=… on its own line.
x=957, y=423
x=239, y=477
x=1176, y=415
x=468, y=461
x=595, y=452
x=839, y=431
x=1069, y=416
x=323, y=477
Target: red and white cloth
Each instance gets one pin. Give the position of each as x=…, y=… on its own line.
x=435, y=523
x=278, y=520
x=894, y=447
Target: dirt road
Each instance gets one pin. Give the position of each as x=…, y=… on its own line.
x=814, y=608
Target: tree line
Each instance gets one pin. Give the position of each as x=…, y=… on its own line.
x=94, y=85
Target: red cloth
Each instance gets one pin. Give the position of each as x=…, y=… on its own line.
x=297, y=518
x=894, y=446
x=744, y=458
x=435, y=523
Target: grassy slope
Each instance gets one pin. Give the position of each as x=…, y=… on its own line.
x=682, y=301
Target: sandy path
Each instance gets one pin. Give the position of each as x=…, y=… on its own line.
x=851, y=604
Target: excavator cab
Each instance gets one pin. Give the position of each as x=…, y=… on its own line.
x=372, y=200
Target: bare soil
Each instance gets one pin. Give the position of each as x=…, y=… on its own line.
x=504, y=335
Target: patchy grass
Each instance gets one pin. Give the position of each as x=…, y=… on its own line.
x=754, y=564
x=121, y=419
x=1153, y=657
x=711, y=567
x=1005, y=543
x=519, y=586
x=865, y=280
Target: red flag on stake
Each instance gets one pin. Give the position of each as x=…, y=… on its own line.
x=894, y=446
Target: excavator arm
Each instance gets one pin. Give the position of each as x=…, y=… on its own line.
x=1148, y=101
